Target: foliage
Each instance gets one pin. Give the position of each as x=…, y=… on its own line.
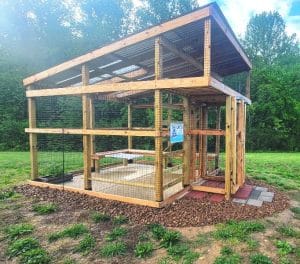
x=170, y=238
x=177, y=251
x=157, y=230
x=252, y=244
x=73, y=231
x=44, y=209
x=116, y=233
x=296, y=211
x=6, y=194
x=113, y=249
x=18, y=230
x=237, y=230
x=287, y=230
x=35, y=256
x=228, y=257
x=86, y=244
x=120, y=219
x=20, y=246
x=284, y=247
x=190, y=257
x=259, y=258
x=99, y=217
x=266, y=39
x=143, y=249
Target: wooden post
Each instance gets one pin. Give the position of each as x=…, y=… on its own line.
x=203, y=142
x=32, y=137
x=86, y=121
x=207, y=48
x=129, y=109
x=230, y=169
x=233, y=142
x=92, y=125
x=193, y=175
x=241, y=143
x=187, y=144
x=248, y=85
x=158, y=124
x=217, y=146
x=169, y=120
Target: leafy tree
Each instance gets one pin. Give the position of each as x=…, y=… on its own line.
x=266, y=39
x=154, y=12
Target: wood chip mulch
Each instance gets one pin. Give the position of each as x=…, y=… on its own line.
x=182, y=213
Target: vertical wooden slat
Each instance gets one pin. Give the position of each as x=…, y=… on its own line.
x=233, y=141
x=203, y=143
x=158, y=124
x=32, y=137
x=129, y=109
x=228, y=148
x=240, y=143
x=193, y=175
x=86, y=121
x=187, y=141
x=92, y=125
x=207, y=47
x=218, y=138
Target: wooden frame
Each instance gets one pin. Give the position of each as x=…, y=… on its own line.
x=199, y=94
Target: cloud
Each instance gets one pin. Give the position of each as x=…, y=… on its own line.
x=238, y=13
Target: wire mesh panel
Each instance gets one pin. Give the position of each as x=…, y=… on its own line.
x=59, y=112
x=59, y=157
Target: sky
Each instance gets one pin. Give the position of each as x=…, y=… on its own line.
x=238, y=12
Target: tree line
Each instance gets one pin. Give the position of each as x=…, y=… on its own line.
x=37, y=34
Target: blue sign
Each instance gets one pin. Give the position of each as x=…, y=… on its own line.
x=176, y=132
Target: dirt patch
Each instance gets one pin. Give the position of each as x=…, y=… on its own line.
x=182, y=213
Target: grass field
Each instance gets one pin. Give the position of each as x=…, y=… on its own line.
x=279, y=169
x=39, y=231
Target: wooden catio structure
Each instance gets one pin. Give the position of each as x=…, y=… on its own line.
x=175, y=71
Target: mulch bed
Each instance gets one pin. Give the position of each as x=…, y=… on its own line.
x=182, y=213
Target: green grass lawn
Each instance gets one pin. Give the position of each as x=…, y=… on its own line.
x=280, y=169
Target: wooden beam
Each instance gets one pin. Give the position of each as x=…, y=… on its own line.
x=202, y=188
x=187, y=143
x=158, y=124
x=223, y=24
x=32, y=137
x=233, y=141
x=218, y=138
x=203, y=141
x=133, y=39
x=182, y=83
x=228, y=148
x=86, y=122
x=165, y=106
x=241, y=144
x=207, y=47
x=207, y=132
x=92, y=126
x=129, y=121
x=96, y=132
x=227, y=90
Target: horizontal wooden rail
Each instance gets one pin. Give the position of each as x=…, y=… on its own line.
x=190, y=82
x=166, y=106
x=96, y=132
x=208, y=189
x=120, y=182
x=207, y=132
